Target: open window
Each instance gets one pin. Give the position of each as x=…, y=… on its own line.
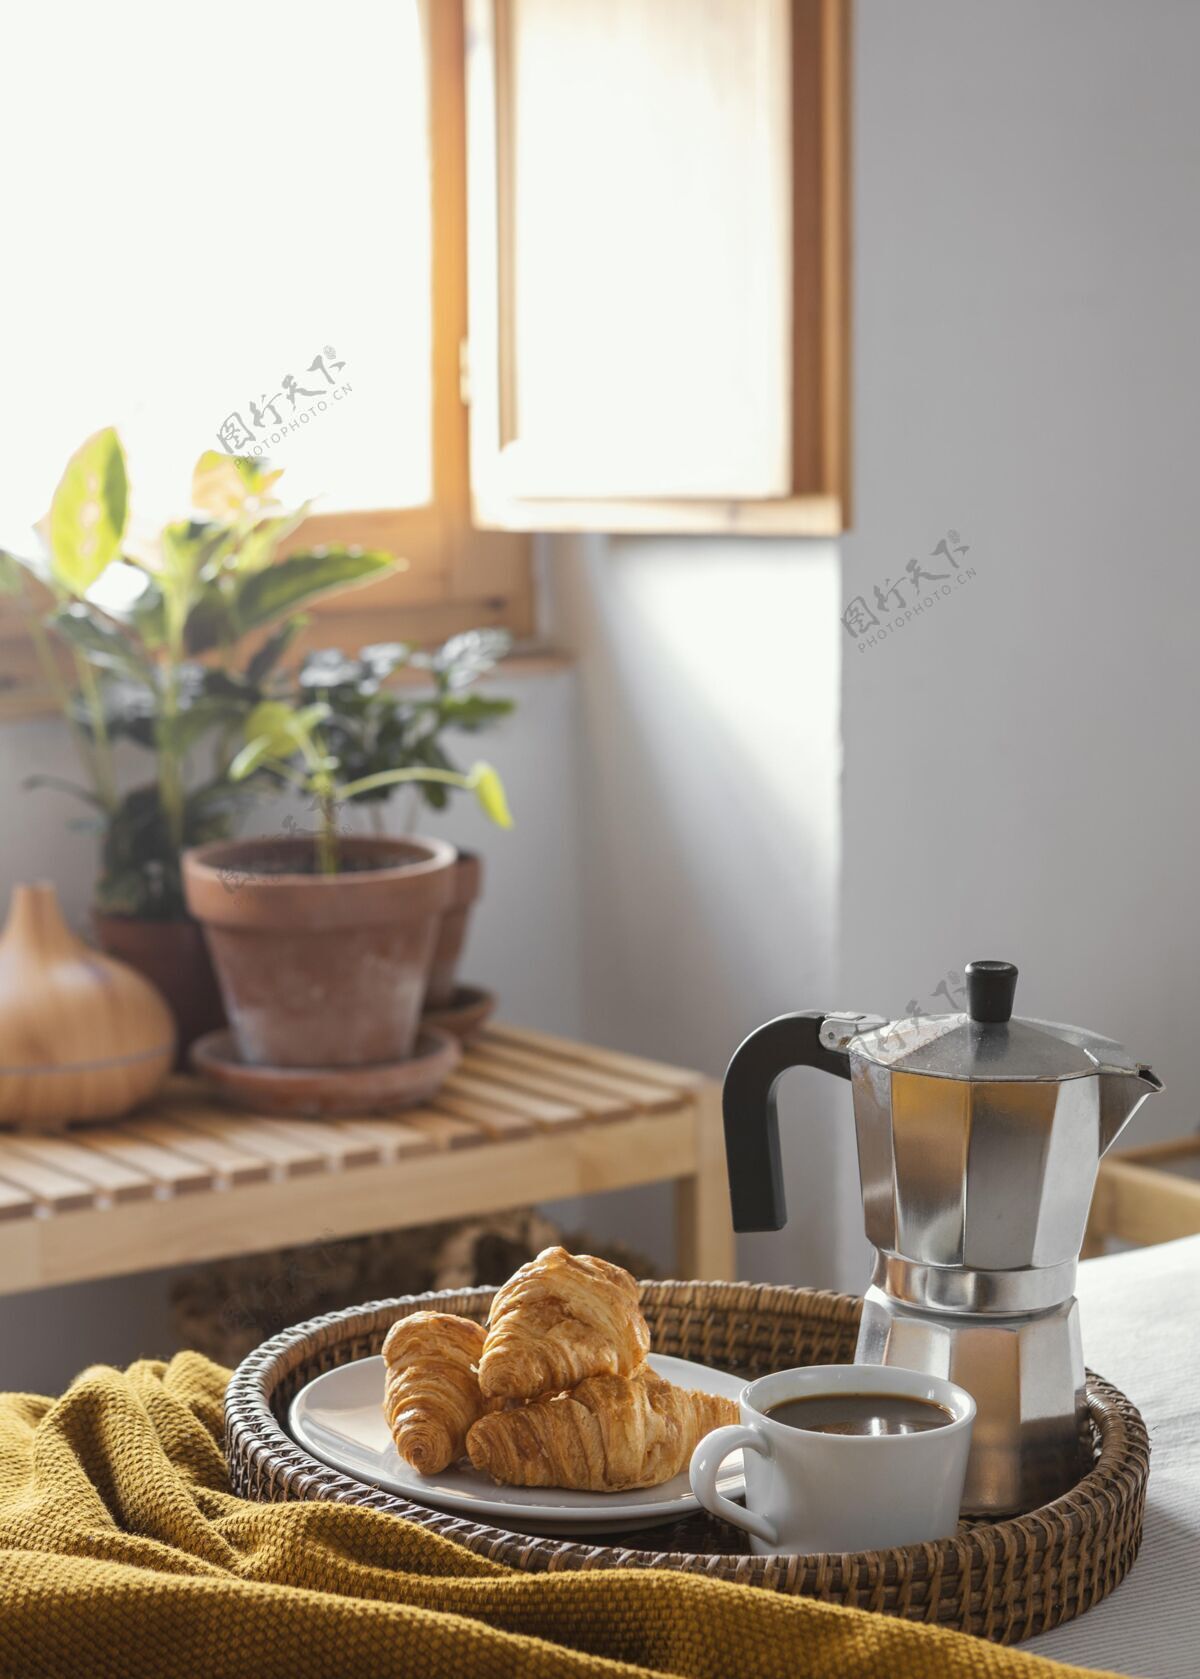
x=465, y=268
x=658, y=264
x=263, y=248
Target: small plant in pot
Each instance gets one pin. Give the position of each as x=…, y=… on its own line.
x=170, y=645
x=373, y=728
x=323, y=942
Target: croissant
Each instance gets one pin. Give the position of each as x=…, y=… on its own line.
x=608, y=1434
x=431, y=1394
x=559, y=1319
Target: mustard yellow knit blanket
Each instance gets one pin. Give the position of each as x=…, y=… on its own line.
x=122, y=1554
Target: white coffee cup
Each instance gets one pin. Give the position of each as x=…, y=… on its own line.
x=810, y=1491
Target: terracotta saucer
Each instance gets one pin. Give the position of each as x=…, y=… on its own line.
x=465, y=1014
x=309, y=1092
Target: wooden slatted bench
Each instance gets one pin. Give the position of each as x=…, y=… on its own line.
x=526, y=1118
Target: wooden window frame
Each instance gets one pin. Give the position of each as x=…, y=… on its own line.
x=820, y=501
x=457, y=576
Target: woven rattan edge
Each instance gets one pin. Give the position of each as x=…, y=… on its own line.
x=1006, y=1580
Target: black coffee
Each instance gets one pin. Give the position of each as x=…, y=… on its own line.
x=861, y=1413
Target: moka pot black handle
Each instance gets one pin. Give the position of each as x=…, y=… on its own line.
x=751, y=1118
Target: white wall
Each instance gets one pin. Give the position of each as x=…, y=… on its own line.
x=1020, y=760
x=708, y=676
x=1021, y=763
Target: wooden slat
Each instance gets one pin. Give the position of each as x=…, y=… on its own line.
x=444, y=1130
x=15, y=1203
x=111, y=1178
x=498, y=1123
x=591, y=1055
x=340, y=1148
x=39, y=1252
x=562, y=1087
x=56, y=1191
x=286, y=1156
x=1171, y=1152
x=624, y=1092
x=510, y=1100
x=171, y=1173
x=1141, y=1204
x=392, y=1137
x=231, y=1164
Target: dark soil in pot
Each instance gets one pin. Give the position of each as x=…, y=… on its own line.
x=321, y=970
x=173, y=956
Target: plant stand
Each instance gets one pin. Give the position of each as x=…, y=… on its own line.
x=526, y=1118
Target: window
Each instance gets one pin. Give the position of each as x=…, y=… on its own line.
x=198, y=227
x=239, y=221
x=467, y=268
x=659, y=264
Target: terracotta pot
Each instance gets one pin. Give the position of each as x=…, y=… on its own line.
x=321, y=970
x=173, y=956
x=443, y=977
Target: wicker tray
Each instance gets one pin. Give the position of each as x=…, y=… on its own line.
x=1004, y=1580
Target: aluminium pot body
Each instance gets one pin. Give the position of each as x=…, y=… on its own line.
x=321, y=970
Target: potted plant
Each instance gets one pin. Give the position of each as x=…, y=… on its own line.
x=155, y=638
x=373, y=728
x=323, y=941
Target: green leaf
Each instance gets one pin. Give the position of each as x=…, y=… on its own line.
x=275, y=720
x=269, y=653
x=467, y=657
x=190, y=546
x=258, y=547
x=58, y=785
x=140, y=873
x=274, y=730
x=222, y=484
x=384, y=657
x=329, y=667
x=100, y=641
x=470, y=712
x=210, y=620
x=88, y=512
x=179, y=734
x=257, y=752
x=489, y=790
x=265, y=595
x=309, y=716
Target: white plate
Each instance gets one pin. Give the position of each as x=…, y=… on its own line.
x=338, y=1417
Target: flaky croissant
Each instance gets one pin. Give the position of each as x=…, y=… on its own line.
x=559, y=1319
x=431, y=1394
x=608, y=1434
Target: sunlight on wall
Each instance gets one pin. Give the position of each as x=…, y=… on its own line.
x=712, y=701
x=200, y=226
x=709, y=677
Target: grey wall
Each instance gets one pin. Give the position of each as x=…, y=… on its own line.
x=1021, y=762
x=1019, y=759
x=708, y=676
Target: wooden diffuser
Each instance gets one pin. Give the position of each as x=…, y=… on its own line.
x=81, y=1036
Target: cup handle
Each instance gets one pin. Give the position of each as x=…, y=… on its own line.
x=706, y=1463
